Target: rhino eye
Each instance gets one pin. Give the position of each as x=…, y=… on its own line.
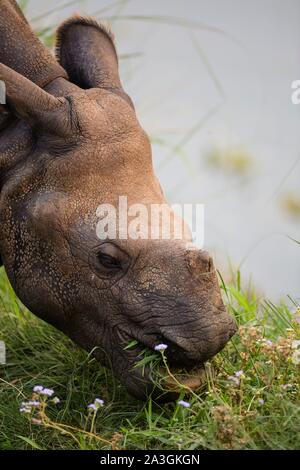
x=109, y=261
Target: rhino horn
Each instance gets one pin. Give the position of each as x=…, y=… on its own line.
x=22, y=51
x=32, y=103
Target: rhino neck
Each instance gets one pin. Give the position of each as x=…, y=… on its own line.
x=16, y=141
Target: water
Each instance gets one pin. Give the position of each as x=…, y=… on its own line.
x=246, y=88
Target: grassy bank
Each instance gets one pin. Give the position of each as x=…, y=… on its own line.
x=252, y=403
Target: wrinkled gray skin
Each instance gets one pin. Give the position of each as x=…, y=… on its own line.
x=69, y=141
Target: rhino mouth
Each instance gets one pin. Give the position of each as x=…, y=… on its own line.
x=172, y=376
x=179, y=379
x=179, y=369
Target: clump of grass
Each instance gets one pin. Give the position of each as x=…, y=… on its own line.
x=251, y=402
x=231, y=159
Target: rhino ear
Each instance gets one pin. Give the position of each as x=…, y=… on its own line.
x=86, y=50
x=32, y=104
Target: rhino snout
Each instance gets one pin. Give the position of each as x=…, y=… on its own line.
x=196, y=343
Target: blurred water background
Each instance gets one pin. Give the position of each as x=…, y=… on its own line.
x=211, y=82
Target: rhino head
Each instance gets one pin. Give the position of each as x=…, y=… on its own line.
x=69, y=142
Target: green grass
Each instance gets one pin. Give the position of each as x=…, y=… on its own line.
x=260, y=409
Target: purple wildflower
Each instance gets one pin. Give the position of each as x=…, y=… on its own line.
x=36, y=421
x=234, y=379
x=296, y=344
x=47, y=391
x=239, y=373
x=160, y=347
x=99, y=402
x=183, y=403
x=34, y=403
x=92, y=406
x=287, y=386
x=25, y=409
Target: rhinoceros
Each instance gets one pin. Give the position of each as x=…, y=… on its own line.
x=70, y=141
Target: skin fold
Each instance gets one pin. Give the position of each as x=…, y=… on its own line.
x=69, y=141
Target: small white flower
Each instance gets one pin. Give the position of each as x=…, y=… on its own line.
x=25, y=409
x=296, y=357
x=47, y=391
x=36, y=421
x=296, y=344
x=160, y=347
x=56, y=400
x=286, y=386
x=234, y=379
x=239, y=373
x=261, y=401
x=183, y=403
x=297, y=315
x=99, y=402
x=34, y=403
x=93, y=407
x=38, y=388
